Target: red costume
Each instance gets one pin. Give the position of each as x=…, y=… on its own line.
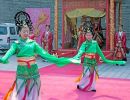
x=98, y=35
x=81, y=39
x=47, y=39
x=120, y=45
x=32, y=36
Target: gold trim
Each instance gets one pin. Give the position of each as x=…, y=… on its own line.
x=26, y=58
x=90, y=55
x=112, y=24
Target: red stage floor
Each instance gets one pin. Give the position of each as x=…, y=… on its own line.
x=58, y=84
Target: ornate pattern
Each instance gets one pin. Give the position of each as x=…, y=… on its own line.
x=22, y=18
x=56, y=24
x=112, y=24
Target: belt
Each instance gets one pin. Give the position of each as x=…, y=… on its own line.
x=90, y=55
x=26, y=61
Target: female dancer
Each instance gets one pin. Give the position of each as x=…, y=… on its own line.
x=27, y=83
x=90, y=48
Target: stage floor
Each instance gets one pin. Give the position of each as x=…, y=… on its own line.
x=59, y=84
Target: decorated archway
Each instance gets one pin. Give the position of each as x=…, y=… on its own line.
x=72, y=9
x=72, y=24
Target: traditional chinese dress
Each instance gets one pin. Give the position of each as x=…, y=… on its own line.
x=87, y=80
x=47, y=40
x=27, y=83
x=81, y=39
x=120, y=46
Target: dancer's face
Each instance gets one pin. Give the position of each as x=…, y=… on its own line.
x=24, y=33
x=89, y=36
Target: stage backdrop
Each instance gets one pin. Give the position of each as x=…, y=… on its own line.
x=39, y=16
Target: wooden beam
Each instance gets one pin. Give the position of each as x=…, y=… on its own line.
x=112, y=25
x=56, y=25
x=120, y=14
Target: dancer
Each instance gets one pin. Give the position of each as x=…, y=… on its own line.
x=90, y=48
x=27, y=83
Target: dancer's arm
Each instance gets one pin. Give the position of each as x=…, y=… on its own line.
x=51, y=58
x=9, y=53
x=80, y=51
x=104, y=58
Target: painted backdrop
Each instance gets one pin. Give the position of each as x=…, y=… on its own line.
x=40, y=17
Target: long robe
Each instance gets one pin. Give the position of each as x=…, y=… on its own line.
x=120, y=46
x=87, y=81
x=27, y=83
x=47, y=41
x=81, y=39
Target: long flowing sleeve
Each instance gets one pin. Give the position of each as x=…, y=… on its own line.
x=80, y=52
x=51, y=58
x=9, y=53
x=99, y=52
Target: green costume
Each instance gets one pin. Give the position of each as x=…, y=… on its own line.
x=93, y=47
x=29, y=77
x=87, y=80
x=28, y=48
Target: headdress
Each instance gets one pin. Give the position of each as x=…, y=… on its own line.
x=87, y=30
x=22, y=19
